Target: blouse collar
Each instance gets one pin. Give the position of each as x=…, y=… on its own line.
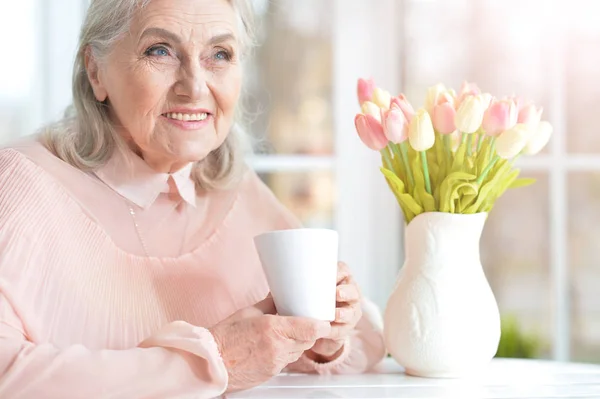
x=131, y=177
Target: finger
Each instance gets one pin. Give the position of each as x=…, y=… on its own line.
x=347, y=293
x=266, y=306
x=346, y=318
x=327, y=347
x=343, y=272
x=305, y=329
x=345, y=315
x=303, y=345
x=339, y=331
x=295, y=354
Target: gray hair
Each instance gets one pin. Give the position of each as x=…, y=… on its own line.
x=86, y=137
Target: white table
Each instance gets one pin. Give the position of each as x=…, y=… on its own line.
x=503, y=378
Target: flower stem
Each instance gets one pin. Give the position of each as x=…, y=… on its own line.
x=386, y=159
x=426, y=171
x=492, y=146
x=480, y=142
x=397, y=156
x=470, y=144
x=448, y=145
x=512, y=162
x=463, y=140
x=405, y=159
x=487, y=169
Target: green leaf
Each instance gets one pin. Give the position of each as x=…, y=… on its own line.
x=524, y=182
x=462, y=191
x=447, y=188
x=483, y=156
x=487, y=188
x=406, y=201
x=467, y=193
x=439, y=150
x=459, y=158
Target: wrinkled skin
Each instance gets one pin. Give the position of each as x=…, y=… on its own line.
x=178, y=54
x=256, y=346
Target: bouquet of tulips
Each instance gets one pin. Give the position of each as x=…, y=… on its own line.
x=456, y=154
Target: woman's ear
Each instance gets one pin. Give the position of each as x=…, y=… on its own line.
x=94, y=75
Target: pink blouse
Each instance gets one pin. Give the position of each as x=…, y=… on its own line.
x=109, y=280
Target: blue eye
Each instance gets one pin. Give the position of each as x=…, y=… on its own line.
x=159, y=51
x=223, y=56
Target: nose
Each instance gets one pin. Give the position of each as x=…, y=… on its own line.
x=192, y=82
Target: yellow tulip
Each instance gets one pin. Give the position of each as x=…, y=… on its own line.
x=512, y=141
x=420, y=133
x=539, y=139
x=433, y=93
x=470, y=114
x=370, y=108
x=382, y=98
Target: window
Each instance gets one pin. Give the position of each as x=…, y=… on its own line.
x=302, y=89
x=35, y=79
x=288, y=99
x=19, y=102
x=539, y=247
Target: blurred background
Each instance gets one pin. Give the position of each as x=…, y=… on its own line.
x=540, y=247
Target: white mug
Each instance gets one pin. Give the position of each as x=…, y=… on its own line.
x=301, y=268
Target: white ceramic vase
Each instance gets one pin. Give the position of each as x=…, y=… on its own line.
x=442, y=320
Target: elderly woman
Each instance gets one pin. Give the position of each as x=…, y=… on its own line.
x=127, y=265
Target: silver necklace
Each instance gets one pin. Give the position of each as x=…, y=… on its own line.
x=137, y=229
x=141, y=237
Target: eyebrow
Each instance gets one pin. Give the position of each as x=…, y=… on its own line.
x=173, y=37
x=221, y=38
x=162, y=33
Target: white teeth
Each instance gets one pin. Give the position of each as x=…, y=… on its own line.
x=186, y=117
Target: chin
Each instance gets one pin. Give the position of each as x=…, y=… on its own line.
x=194, y=153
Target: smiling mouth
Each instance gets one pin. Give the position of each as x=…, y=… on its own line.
x=186, y=117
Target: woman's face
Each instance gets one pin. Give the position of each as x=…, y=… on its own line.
x=174, y=80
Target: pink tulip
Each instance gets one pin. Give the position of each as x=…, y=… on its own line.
x=443, y=118
x=395, y=126
x=500, y=116
x=364, y=90
x=407, y=109
x=530, y=115
x=519, y=103
x=370, y=132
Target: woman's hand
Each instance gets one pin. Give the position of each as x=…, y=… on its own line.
x=256, y=346
x=347, y=314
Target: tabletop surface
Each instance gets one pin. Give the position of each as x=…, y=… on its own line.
x=502, y=378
